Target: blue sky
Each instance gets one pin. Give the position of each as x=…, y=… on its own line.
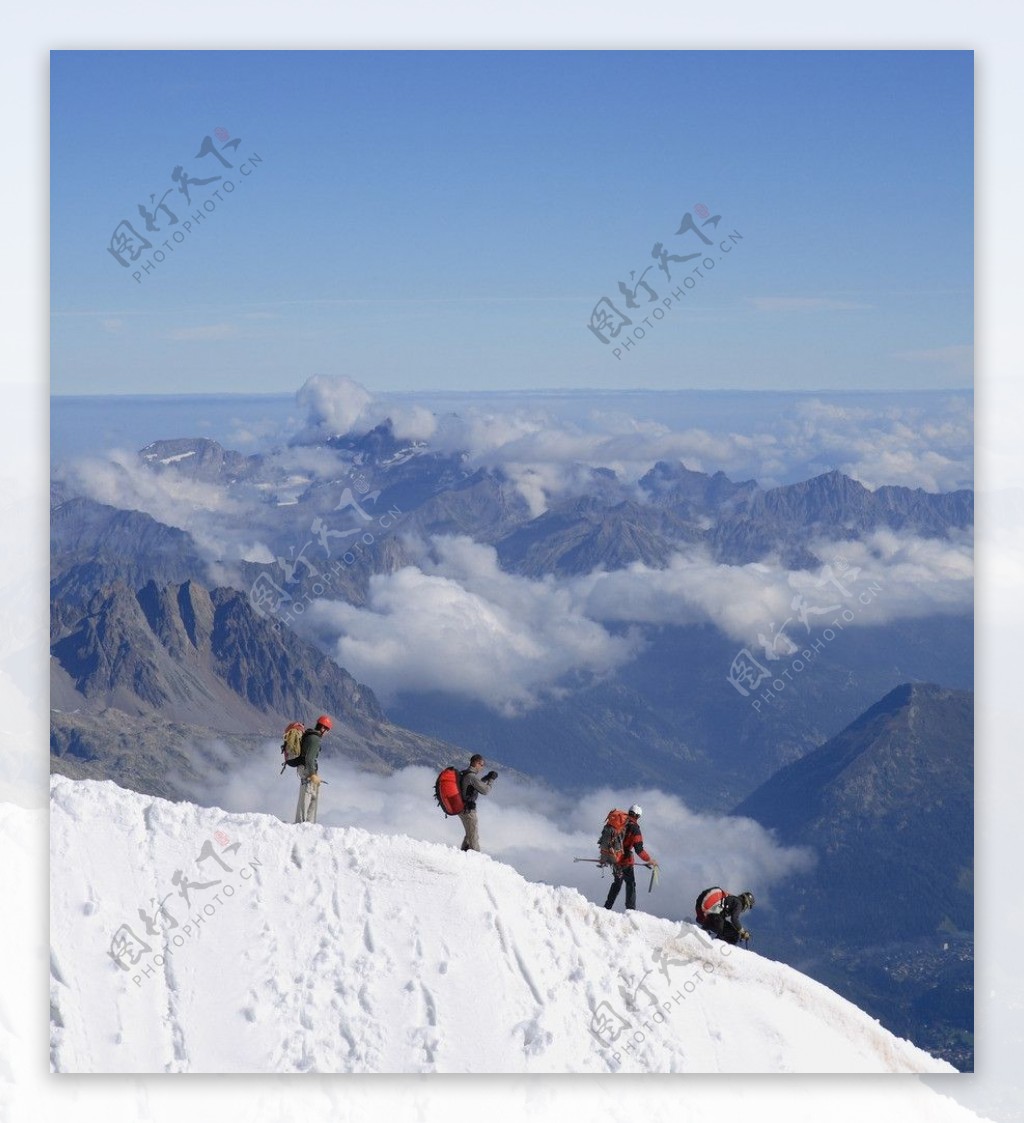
x=449, y=220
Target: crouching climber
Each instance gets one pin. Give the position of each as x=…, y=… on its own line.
x=718, y=913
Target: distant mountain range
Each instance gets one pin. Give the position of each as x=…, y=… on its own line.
x=614, y=524
x=671, y=713
x=607, y=522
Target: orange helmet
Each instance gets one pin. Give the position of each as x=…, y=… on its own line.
x=325, y=721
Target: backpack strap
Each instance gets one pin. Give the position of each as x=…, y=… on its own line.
x=468, y=800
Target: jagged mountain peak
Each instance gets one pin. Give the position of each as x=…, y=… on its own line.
x=377, y=447
x=197, y=458
x=205, y=656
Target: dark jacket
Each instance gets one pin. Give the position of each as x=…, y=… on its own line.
x=470, y=785
x=732, y=907
x=633, y=843
x=310, y=748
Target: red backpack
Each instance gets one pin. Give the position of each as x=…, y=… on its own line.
x=612, y=835
x=710, y=902
x=447, y=791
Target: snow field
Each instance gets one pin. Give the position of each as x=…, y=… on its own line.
x=310, y=949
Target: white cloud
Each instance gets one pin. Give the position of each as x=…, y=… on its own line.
x=334, y=405
x=911, y=447
x=258, y=553
x=692, y=589
x=460, y=625
x=338, y=405
x=171, y=498
x=886, y=577
x=413, y=423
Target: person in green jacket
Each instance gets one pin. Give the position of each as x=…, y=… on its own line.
x=309, y=772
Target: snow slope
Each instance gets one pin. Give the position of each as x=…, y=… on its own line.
x=310, y=949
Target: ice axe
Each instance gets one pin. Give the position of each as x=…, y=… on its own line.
x=596, y=861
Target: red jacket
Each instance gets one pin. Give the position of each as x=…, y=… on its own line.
x=633, y=841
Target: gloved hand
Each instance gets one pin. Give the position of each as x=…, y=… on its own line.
x=744, y=934
x=315, y=779
x=492, y=775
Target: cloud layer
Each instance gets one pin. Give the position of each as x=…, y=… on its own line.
x=918, y=442
x=928, y=446
x=458, y=624
x=885, y=577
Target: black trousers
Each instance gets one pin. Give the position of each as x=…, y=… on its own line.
x=721, y=928
x=629, y=877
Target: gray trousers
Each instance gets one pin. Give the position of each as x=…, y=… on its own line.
x=469, y=821
x=305, y=811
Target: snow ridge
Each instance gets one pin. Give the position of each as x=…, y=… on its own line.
x=188, y=939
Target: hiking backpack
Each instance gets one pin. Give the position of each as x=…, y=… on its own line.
x=291, y=747
x=448, y=791
x=612, y=835
x=709, y=903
